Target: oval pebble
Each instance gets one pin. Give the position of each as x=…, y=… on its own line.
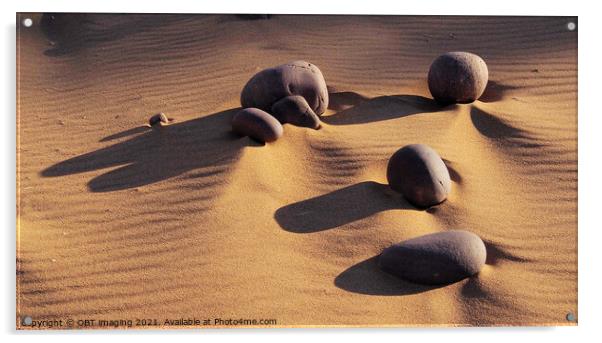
x=417, y=172
x=256, y=124
x=457, y=77
x=159, y=118
x=439, y=258
x=295, y=78
x=296, y=111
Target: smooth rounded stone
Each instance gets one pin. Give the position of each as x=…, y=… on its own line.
x=296, y=78
x=159, y=118
x=439, y=258
x=457, y=77
x=296, y=111
x=256, y=124
x=417, y=172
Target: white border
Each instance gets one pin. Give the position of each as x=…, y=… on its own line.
x=589, y=162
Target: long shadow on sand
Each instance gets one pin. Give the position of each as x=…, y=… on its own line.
x=355, y=108
x=367, y=278
x=453, y=173
x=159, y=154
x=496, y=128
x=496, y=91
x=496, y=254
x=340, y=207
x=339, y=101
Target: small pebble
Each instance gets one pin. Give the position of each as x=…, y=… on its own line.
x=439, y=258
x=159, y=118
x=457, y=77
x=296, y=111
x=417, y=172
x=296, y=78
x=256, y=124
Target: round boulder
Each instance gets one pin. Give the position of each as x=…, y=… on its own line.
x=439, y=258
x=417, y=172
x=457, y=77
x=256, y=124
x=295, y=78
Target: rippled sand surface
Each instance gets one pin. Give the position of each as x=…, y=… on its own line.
x=120, y=221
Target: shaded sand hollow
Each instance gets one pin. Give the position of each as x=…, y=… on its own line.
x=120, y=221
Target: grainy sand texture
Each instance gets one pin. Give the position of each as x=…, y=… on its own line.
x=118, y=220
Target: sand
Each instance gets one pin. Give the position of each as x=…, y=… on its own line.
x=117, y=220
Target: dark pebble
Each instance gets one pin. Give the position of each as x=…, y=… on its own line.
x=256, y=124
x=417, y=172
x=439, y=258
x=296, y=111
x=295, y=78
x=457, y=77
x=159, y=118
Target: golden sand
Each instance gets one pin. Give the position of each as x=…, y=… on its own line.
x=120, y=221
